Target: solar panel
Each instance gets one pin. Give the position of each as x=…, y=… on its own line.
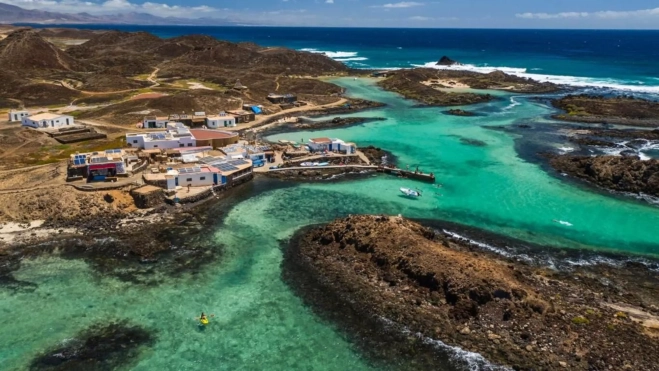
x=96, y=160
x=226, y=167
x=238, y=162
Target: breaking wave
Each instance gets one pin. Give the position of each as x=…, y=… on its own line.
x=458, y=357
x=333, y=55
x=549, y=259
x=351, y=59
x=556, y=79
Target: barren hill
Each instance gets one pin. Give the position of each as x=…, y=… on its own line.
x=25, y=50
x=113, y=61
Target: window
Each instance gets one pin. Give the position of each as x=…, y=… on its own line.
x=189, y=144
x=155, y=146
x=202, y=178
x=181, y=145
x=188, y=180
x=134, y=140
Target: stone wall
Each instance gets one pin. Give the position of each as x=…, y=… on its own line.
x=145, y=200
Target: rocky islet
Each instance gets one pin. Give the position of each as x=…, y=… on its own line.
x=395, y=275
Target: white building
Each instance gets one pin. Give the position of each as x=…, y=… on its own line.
x=331, y=145
x=15, y=116
x=155, y=122
x=220, y=121
x=47, y=120
x=240, y=151
x=177, y=135
x=197, y=176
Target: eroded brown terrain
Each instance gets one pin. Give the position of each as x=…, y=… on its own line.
x=379, y=276
x=620, y=110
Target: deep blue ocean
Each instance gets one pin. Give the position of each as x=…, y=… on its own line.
x=605, y=58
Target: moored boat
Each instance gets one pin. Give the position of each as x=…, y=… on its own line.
x=410, y=192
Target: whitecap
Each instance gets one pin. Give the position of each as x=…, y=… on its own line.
x=351, y=59
x=556, y=79
x=331, y=54
x=565, y=149
x=513, y=104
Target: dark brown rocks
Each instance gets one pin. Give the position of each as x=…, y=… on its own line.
x=380, y=277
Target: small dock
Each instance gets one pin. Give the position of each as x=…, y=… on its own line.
x=429, y=178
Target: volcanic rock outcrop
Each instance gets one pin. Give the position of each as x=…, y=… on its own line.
x=617, y=173
x=619, y=110
x=379, y=276
x=446, y=61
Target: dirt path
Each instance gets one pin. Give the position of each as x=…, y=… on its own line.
x=152, y=78
x=259, y=121
x=20, y=102
x=105, y=125
x=13, y=150
x=277, y=82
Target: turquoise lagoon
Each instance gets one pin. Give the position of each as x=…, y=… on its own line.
x=260, y=324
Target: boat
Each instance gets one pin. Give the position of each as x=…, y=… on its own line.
x=410, y=192
x=204, y=321
x=306, y=164
x=323, y=164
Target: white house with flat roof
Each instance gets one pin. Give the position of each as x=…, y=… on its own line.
x=331, y=145
x=47, y=120
x=220, y=121
x=15, y=116
x=177, y=135
x=155, y=122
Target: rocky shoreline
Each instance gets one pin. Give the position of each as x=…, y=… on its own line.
x=131, y=247
x=619, y=110
x=308, y=125
x=425, y=85
x=397, y=288
x=627, y=174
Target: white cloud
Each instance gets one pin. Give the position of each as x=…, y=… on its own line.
x=419, y=18
x=117, y=7
x=329, y=1
x=607, y=14
x=404, y=4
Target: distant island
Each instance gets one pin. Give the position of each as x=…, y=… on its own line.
x=11, y=14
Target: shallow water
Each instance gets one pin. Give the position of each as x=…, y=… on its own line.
x=259, y=323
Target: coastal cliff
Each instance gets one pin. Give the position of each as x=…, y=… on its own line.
x=398, y=287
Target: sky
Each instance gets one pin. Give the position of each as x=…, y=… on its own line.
x=602, y=14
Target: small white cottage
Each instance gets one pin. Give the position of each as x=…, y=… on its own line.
x=47, y=120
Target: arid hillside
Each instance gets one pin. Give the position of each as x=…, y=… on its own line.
x=44, y=73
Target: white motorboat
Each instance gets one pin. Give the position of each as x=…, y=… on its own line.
x=410, y=192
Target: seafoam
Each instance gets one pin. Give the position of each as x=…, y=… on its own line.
x=556, y=79
x=458, y=357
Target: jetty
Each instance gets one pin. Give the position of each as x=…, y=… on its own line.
x=416, y=175
x=430, y=178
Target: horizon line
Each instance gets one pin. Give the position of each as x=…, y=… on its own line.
x=354, y=27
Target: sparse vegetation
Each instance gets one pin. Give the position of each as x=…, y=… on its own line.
x=580, y=320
